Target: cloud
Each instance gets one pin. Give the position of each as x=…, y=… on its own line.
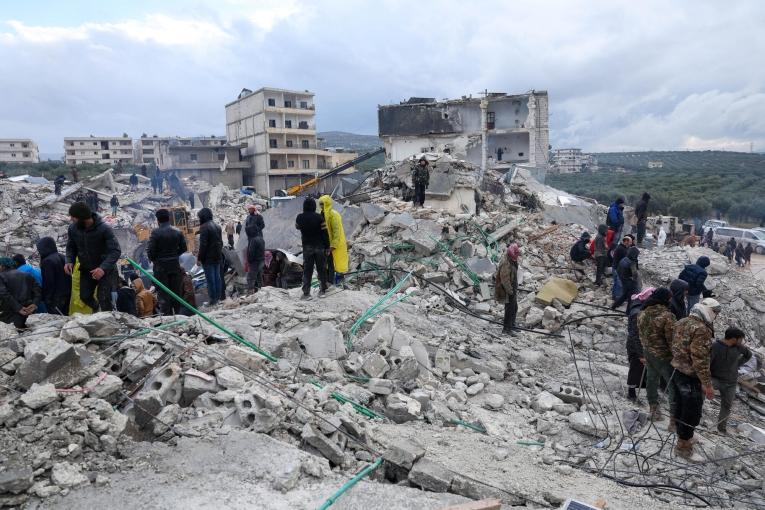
x=621, y=75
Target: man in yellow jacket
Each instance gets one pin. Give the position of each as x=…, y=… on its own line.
x=338, y=262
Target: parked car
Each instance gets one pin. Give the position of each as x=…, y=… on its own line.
x=713, y=224
x=741, y=235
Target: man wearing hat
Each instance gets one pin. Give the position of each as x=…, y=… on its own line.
x=19, y=294
x=691, y=357
x=254, y=219
x=93, y=243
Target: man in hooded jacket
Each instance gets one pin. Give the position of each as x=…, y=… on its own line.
x=617, y=255
x=579, y=251
x=313, y=234
x=691, y=358
x=56, y=284
x=210, y=254
x=256, y=249
x=641, y=212
x=19, y=294
x=506, y=286
x=166, y=245
x=338, y=246
x=696, y=275
x=615, y=220
x=679, y=289
x=629, y=276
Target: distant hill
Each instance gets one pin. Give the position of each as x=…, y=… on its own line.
x=352, y=141
x=723, y=161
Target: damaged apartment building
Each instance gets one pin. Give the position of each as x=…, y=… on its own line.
x=497, y=130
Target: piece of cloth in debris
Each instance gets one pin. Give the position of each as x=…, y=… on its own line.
x=634, y=420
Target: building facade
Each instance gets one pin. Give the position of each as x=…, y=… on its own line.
x=570, y=161
x=515, y=128
x=205, y=161
x=18, y=150
x=146, y=150
x=98, y=149
x=277, y=131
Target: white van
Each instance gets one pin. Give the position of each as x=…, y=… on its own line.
x=742, y=235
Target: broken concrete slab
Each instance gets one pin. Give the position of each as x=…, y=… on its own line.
x=328, y=448
x=403, y=453
x=195, y=383
x=558, y=288
x=16, y=476
x=430, y=475
x=39, y=395
x=43, y=358
x=324, y=341
x=375, y=365
x=229, y=378
x=401, y=408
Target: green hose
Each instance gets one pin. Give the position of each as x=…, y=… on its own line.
x=374, y=309
x=175, y=296
x=345, y=400
x=469, y=426
x=350, y=483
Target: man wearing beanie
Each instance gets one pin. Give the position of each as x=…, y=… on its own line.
x=691, y=357
x=695, y=275
x=166, y=245
x=656, y=326
x=19, y=294
x=210, y=255
x=93, y=243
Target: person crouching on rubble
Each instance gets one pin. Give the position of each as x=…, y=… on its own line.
x=506, y=286
x=56, y=284
x=656, y=327
x=691, y=358
x=580, y=251
x=727, y=356
x=93, y=243
x=338, y=247
x=635, y=356
x=19, y=294
x=420, y=180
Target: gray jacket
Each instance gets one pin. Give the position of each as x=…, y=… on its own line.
x=726, y=360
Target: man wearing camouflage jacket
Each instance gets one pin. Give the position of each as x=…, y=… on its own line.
x=656, y=325
x=691, y=355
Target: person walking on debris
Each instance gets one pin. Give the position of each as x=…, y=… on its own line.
x=58, y=184
x=691, y=356
x=315, y=239
x=679, y=290
x=145, y=301
x=210, y=254
x=115, y=204
x=256, y=248
x=635, y=356
x=165, y=247
x=629, y=276
x=421, y=180
x=601, y=254
x=337, y=262
x=641, y=212
x=730, y=249
x=506, y=286
x=93, y=242
x=126, y=299
x=133, y=182
x=727, y=356
x=19, y=294
x=617, y=255
x=230, y=233
x=56, y=284
x=579, y=251
x=615, y=220
x=696, y=275
x=656, y=326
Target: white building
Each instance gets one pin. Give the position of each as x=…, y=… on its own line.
x=18, y=150
x=571, y=161
x=516, y=128
x=212, y=162
x=146, y=150
x=655, y=164
x=98, y=149
x=277, y=130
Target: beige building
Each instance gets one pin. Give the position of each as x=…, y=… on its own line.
x=98, y=149
x=146, y=150
x=205, y=161
x=277, y=131
x=18, y=150
x=571, y=161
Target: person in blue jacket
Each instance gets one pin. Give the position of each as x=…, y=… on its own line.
x=696, y=275
x=615, y=222
x=25, y=267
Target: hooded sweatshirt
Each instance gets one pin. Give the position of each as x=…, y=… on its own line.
x=336, y=233
x=677, y=302
x=56, y=284
x=145, y=301
x=695, y=275
x=628, y=268
x=600, y=247
x=94, y=246
x=579, y=252
x=210, y=239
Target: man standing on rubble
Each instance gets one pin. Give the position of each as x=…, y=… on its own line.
x=615, y=220
x=154, y=183
x=115, y=203
x=696, y=275
x=210, y=254
x=600, y=252
x=58, y=184
x=133, y=182
x=254, y=219
x=691, y=357
x=506, y=286
x=93, y=243
x=656, y=327
x=19, y=294
x=230, y=233
x=166, y=245
x=56, y=284
x=641, y=211
x=256, y=251
x=629, y=276
x=617, y=255
x=421, y=180
x=679, y=290
x=313, y=234
x=728, y=355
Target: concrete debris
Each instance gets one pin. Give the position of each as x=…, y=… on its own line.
x=39, y=395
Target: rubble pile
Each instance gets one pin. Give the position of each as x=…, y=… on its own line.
x=404, y=361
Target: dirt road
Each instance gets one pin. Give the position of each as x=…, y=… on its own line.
x=758, y=266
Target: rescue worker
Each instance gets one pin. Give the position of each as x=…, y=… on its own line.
x=727, y=356
x=133, y=182
x=656, y=326
x=338, y=247
x=115, y=203
x=254, y=218
x=93, y=243
x=56, y=284
x=696, y=275
x=315, y=239
x=165, y=247
x=635, y=355
x=420, y=180
x=617, y=255
x=506, y=286
x=19, y=294
x=691, y=356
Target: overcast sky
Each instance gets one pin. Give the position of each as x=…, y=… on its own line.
x=622, y=75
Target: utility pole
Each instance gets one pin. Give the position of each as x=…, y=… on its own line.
x=484, y=137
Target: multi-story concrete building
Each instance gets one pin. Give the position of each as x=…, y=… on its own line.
x=146, y=151
x=214, y=163
x=18, y=150
x=570, y=161
x=514, y=128
x=98, y=149
x=277, y=131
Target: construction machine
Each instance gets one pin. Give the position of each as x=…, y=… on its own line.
x=300, y=188
x=180, y=218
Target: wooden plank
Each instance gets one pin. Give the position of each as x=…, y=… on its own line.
x=484, y=504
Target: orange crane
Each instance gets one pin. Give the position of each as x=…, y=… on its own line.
x=299, y=188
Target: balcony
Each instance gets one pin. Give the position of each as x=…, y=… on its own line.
x=310, y=131
x=311, y=110
x=297, y=150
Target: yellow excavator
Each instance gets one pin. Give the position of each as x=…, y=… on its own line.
x=180, y=218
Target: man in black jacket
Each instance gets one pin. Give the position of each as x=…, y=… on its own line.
x=166, y=244
x=210, y=254
x=56, y=284
x=256, y=251
x=616, y=256
x=641, y=211
x=19, y=294
x=728, y=355
x=254, y=219
x=313, y=233
x=580, y=251
x=629, y=276
x=93, y=243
